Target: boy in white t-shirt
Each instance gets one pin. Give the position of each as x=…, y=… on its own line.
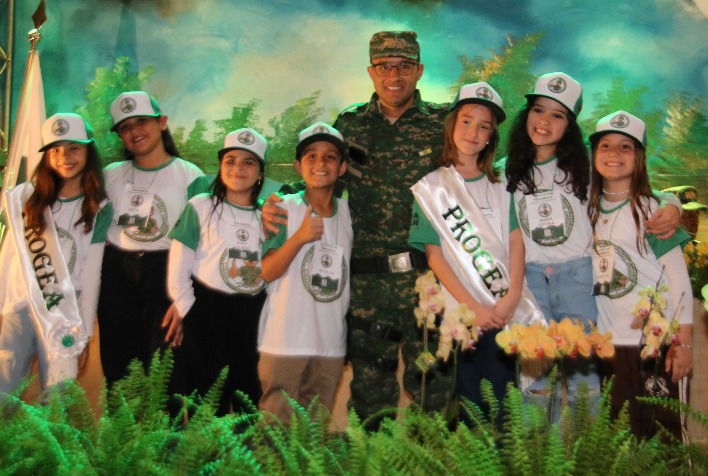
x=302, y=335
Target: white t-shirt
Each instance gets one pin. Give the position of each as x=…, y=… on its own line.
x=554, y=223
x=304, y=313
x=158, y=195
x=631, y=272
x=221, y=249
x=80, y=250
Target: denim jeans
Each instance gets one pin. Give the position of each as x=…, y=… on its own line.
x=565, y=290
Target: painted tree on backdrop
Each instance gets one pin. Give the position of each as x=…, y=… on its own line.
x=510, y=74
x=677, y=132
x=100, y=93
x=196, y=145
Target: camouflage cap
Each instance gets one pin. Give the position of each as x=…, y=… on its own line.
x=395, y=43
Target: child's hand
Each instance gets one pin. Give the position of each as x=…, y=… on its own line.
x=664, y=222
x=504, y=310
x=483, y=316
x=312, y=227
x=83, y=357
x=173, y=321
x=272, y=214
x=679, y=362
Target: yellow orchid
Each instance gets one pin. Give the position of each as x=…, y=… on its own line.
x=432, y=303
x=508, y=339
x=462, y=314
x=602, y=343
x=427, y=285
x=536, y=343
x=457, y=325
x=423, y=317
x=649, y=352
x=642, y=308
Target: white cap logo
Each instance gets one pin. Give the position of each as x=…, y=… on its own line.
x=320, y=130
x=60, y=127
x=246, y=138
x=484, y=93
x=620, y=121
x=128, y=105
x=557, y=85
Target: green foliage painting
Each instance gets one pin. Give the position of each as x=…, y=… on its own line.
x=280, y=66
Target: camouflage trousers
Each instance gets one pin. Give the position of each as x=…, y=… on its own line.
x=382, y=321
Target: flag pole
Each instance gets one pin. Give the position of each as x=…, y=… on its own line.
x=26, y=139
x=7, y=69
x=12, y=167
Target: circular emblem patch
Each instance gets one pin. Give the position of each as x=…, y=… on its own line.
x=545, y=210
x=128, y=105
x=550, y=236
x=624, y=275
x=241, y=270
x=157, y=225
x=620, y=121
x=242, y=234
x=137, y=200
x=320, y=130
x=557, y=85
x=323, y=288
x=60, y=127
x=246, y=138
x=326, y=261
x=484, y=93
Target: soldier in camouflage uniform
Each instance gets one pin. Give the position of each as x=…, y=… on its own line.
x=399, y=136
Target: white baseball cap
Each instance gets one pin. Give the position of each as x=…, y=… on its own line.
x=246, y=139
x=561, y=88
x=320, y=131
x=621, y=122
x=133, y=104
x=481, y=93
x=65, y=127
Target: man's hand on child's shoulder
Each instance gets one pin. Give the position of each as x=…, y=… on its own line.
x=272, y=215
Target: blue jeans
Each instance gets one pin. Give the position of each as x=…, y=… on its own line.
x=565, y=290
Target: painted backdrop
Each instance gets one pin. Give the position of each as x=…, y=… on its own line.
x=215, y=65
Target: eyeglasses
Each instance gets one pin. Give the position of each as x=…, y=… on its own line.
x=404, y=68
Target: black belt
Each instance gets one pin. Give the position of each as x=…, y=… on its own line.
x=379, y=329
x=397, y=263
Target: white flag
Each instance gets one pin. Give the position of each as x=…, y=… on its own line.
x=26, y=139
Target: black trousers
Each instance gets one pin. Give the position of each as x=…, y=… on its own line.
x=131, y=306
x=220, y=330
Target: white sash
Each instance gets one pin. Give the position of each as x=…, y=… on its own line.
x=469, y=243
x=47, y=280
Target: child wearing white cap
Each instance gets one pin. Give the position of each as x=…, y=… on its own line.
x=468, y=188
x=50, y=259
x=627, y=260
x=548, y=170
x=302, y=335
x=215, y=276
x=149, y=191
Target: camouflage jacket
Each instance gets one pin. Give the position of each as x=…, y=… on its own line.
x=393, y=158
